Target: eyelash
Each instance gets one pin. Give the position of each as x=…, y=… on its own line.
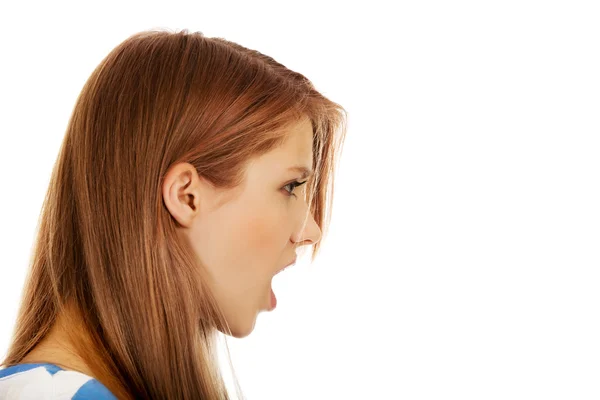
x=293, y=185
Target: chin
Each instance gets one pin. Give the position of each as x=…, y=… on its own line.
x=241, y=333
x=240, y=329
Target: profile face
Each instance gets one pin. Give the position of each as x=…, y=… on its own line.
x=245, y=235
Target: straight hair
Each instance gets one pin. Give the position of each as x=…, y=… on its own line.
x=108, y=258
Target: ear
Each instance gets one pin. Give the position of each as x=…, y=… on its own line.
x=181, y=192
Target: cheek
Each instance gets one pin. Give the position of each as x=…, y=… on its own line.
x=243, y=244
x=247, y=243
x=263, y=232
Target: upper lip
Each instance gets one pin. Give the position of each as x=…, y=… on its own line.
x=291, y=263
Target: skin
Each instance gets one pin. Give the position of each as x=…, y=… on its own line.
x=243, y=236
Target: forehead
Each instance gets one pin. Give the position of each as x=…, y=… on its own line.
x=295, y=150
x=299, y=141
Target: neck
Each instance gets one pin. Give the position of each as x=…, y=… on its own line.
x=56, y=348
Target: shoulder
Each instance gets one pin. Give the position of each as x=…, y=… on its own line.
x=49, y=382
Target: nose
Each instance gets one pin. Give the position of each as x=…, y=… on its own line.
x=309, y=232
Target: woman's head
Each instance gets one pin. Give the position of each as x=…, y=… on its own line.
x=243, y=236
x=172, y=205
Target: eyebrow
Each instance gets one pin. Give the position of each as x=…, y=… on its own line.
x=306, y=172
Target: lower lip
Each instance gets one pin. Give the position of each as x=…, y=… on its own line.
x=273, y=303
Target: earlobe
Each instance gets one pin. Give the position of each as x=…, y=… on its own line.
x=179, y=191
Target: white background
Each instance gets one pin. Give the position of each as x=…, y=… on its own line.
x=463, y=258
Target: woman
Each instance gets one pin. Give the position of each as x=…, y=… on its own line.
x=191, y=171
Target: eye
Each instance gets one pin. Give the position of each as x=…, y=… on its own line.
x=292, y=186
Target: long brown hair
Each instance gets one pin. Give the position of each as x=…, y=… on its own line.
x=108, y=256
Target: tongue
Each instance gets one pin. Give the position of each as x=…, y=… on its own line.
x=273, y=300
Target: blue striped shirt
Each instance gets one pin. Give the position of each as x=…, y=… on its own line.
x=45, y=381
